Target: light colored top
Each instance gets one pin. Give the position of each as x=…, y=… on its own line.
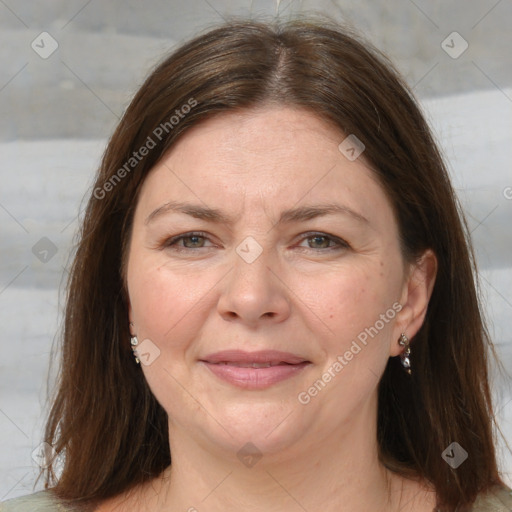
x=499, y=500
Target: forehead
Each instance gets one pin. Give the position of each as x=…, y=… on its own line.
x=266, y=159
x=259, y=137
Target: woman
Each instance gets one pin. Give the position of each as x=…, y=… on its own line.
x=271, y=305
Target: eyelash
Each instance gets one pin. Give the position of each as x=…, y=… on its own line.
x=171, y=242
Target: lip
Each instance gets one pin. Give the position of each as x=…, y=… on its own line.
x=235, y=367
x=261, y=356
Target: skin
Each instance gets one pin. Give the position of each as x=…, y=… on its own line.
x=297, y=296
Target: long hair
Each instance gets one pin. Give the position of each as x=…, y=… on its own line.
x=108, y=428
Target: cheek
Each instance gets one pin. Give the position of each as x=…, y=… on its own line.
x=357, y=350
x=165, y=304
x=168, y=309
x=356, y=302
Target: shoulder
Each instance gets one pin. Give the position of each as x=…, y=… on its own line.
x=42, y=501
x=499, y=499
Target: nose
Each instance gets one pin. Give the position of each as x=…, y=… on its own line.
x=253, y=293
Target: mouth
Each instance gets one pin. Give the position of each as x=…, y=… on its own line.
x=254, y=370
x=252, y=365
x=265, y=358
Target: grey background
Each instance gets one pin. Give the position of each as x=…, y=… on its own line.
x=106, y=47
x=57, y=113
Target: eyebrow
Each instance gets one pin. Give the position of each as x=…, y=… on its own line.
x=302, y=213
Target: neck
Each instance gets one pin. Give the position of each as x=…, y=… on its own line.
x=342, y=472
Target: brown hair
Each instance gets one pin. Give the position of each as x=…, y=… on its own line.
x=104, y=421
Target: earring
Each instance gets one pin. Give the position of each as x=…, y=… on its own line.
x=404, y=356
x=134, y=342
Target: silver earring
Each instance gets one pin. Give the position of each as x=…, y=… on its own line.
x=404, y=356
x=134, y=342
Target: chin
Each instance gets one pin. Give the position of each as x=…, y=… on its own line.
x=267, y=428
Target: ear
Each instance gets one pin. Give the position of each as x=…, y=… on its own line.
x=416, y=293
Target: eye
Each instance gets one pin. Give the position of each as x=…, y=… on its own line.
x=190, y=241
x=198, y=240
x=324, y=241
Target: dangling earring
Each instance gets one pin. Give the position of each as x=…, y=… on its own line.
x=404, y=356
x=134, y=342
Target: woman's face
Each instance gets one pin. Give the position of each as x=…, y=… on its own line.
x=255, y=233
